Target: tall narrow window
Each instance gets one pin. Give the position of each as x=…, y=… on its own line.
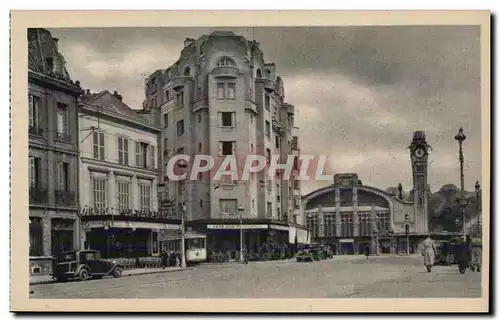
x=123, y=195
x=123, y=151
x=98, y=145
x=180, y=99
x=138, y=154
x=99, y=187
x=152, y=157
x=268, y=129
x=33, y=110
x=144, y=147
x=231, y=90
x=180, y=127
x=34, y=172
x=165, y=120
x=145, y=197
x=165, y=147
x=267, y=102
x=63, y=176
x=220, y=90
x=62, y=119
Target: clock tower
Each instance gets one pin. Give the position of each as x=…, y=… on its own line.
x=419, y=160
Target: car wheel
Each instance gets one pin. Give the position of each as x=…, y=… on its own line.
x=117, y=272
x=84, y=274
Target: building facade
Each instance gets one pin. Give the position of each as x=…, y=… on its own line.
x=351, y=216
x=119, y=178
x=221, y=98
x=53, y=152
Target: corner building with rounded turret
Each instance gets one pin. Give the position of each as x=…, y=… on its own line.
x=221, y=98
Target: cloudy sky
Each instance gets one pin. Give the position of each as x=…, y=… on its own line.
x=360, y=92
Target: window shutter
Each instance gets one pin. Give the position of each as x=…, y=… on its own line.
x=233, y=148
x=220, y=119
x=220, y=148
x=152, y=156
x=233, y=119
x=101, y=147
x=31, y=109
x=120, y=145
x=137, y=154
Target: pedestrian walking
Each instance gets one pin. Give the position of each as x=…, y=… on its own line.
x=429, y=252
x=164, y=259
x=463, y=256
x=245, y=255
x=367, y=251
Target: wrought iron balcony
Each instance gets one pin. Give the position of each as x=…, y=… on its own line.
x=38, y=195
x=35, y=130
x=65, y=198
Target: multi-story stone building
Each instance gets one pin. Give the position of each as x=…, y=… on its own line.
x=53, y=152
x=221, y=98
x=119, y=178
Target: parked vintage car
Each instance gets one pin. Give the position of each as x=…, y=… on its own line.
x=83, y=264
x=305, y=255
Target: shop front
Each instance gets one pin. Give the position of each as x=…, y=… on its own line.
x=258, y=237
x=125, y=239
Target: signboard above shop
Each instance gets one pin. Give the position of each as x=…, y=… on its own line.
x=237, y=226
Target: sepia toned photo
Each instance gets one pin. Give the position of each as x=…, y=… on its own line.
x=300, y=162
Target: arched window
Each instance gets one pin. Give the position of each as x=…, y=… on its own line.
x=268, y=73
x=259, y=73
x=225, y=61
x=187, y=71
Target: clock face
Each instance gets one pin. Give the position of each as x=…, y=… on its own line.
x=419, y=152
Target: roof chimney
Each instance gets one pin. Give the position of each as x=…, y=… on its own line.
x=118, y=96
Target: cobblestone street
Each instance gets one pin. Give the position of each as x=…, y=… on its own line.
x=337, y=278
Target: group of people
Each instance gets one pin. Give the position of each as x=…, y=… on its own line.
x=463, y=254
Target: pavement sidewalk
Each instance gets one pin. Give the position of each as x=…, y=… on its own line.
x=45, y=279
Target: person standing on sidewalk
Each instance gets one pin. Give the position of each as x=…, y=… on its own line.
x=429, y=252
x=367, y=251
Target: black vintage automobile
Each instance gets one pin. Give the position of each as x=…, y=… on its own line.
x=83, y=264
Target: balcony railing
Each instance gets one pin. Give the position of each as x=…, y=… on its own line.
x=65, y=198
x=35, y=130
x=38, y=196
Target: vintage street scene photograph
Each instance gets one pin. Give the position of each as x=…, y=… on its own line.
x=255, y=162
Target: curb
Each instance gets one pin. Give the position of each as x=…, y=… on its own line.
x=124, y=275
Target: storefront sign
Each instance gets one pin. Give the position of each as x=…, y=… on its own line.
x=236, y=226
x=349, y=240
x=128, y=224
x=276, y=227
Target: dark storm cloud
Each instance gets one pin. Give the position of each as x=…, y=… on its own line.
x=360, y=92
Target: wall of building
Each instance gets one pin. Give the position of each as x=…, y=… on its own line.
x=110, y=168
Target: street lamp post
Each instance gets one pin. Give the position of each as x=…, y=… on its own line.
x=407, y=233
x=460, y=137
x=183, y=250
x=241, y=209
